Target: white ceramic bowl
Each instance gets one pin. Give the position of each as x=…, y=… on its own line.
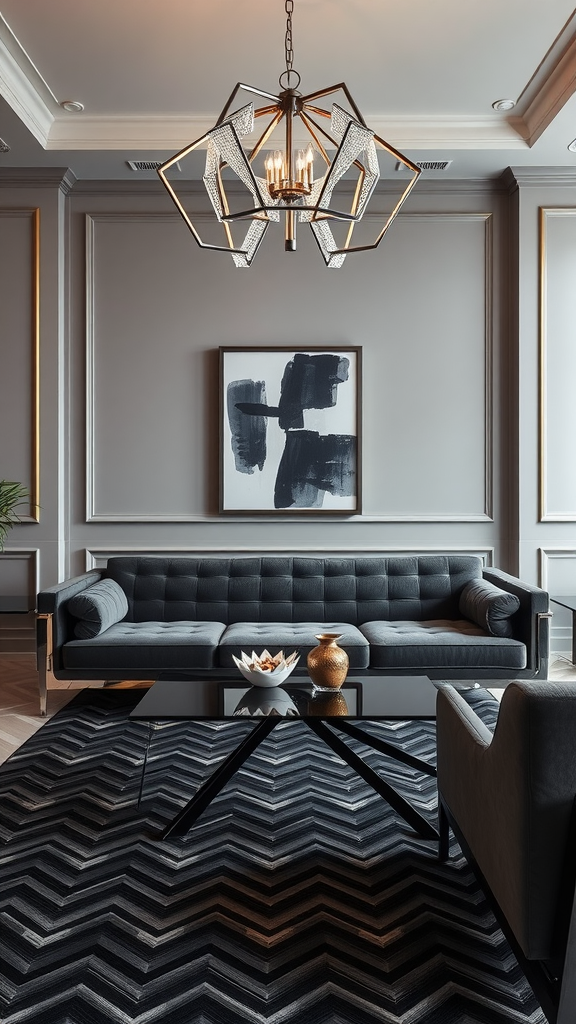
x=250, y=667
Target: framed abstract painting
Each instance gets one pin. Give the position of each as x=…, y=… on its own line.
x=290, y=430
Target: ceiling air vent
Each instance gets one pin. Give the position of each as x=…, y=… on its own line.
x=427, y=165
x=147, y=165
x=4, y=147
x=433, y=165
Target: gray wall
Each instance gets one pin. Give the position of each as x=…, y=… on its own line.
x=132, y=314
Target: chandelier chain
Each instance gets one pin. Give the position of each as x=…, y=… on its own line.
x=288, y=49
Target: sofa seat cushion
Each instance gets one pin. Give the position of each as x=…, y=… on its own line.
x=288, y=637
x=440, y=643
x=134, y=646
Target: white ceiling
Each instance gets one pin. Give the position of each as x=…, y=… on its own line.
x=153, y=75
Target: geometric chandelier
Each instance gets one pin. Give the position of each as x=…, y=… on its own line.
x=284, y=179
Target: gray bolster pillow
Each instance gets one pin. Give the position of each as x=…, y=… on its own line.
x=489, y=607
x=97, y=608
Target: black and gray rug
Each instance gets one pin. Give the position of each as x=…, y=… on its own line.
x=297, y=897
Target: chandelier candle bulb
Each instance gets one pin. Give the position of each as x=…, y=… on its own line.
x=301, y=167
x=310, y=164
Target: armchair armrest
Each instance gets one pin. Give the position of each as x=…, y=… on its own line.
x=510, y=795
x=463, y=739
x=531, y=623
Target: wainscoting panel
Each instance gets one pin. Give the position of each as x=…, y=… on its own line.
x=145, y=380
x=158, y=309
x=19, y=379
x=430, y=376
x=558, y=576
x=20, y=573
x=557, y=364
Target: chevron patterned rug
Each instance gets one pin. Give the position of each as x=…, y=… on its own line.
x=298, y=898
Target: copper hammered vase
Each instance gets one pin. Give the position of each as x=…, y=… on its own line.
x=328, y=663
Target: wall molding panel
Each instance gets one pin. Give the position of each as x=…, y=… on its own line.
x=550, y=561
x=476, y=484
x=484, y=513
x=29, y=345
x=126, y=188
x=28, y=561
x=557, y=364
x=92, y=220
x=546, y=558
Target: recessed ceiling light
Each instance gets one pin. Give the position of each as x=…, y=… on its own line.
x=504, y=104
x=72, y=106
x=572, y=146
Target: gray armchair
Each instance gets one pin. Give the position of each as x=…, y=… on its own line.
x=509, y=798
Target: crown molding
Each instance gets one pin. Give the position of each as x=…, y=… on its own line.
x=508, y=181
x=31, y=98
x=486, y=131
x=68, y=182
x=38, y=177
x=23, y=88
x=537, y=177
x=551, y=86
x=149, y=188
x=163, y=133
x=33, y=101
x=195, y=191
x=107, y=132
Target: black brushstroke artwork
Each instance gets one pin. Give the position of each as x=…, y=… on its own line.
x=312, y=464
x=248, y=432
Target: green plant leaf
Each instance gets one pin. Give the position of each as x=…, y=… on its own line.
x=12, y=494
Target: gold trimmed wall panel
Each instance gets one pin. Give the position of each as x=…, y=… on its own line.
x=20, y=389
x=557, y=363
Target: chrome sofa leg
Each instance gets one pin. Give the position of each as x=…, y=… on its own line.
x=43, y=658
x=43, y=689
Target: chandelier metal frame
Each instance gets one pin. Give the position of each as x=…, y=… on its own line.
x=289, y=186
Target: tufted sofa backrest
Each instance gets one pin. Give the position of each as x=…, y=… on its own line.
x=293, y=589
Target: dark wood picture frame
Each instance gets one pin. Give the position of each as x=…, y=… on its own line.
x=290, y=430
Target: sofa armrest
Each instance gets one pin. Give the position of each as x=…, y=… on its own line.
x=52, y=605
x=531, y=623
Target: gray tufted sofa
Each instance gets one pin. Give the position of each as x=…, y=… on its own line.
x=424, y=614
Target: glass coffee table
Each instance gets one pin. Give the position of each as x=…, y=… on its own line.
x=326, y=712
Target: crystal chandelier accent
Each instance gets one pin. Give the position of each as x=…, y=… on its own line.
x=286, y=179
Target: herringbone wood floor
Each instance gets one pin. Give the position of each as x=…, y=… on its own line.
x=19, y=704
x=19, y=707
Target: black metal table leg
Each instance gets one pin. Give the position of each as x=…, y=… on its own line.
x=145, y=763
x=387, y=748
x=383, y=788
x=193, y=809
